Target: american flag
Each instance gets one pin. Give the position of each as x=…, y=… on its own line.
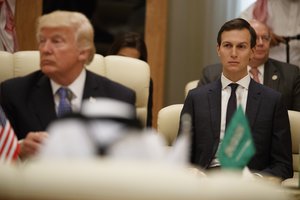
x=9, y=147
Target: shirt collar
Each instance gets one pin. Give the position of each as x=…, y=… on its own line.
x=244, y=82
x=76, y=87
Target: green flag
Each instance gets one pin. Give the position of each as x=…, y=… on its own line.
x=237, y=147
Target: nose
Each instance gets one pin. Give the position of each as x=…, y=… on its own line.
x=45, y=46
x=234, y=52
x=259, y=40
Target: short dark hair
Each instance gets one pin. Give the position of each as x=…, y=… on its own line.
x=237, y=24
x=132, y=40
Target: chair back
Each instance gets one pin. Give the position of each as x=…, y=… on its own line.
x=294, y=117
x=168, y=122
x=190, y=85
x=6, y=65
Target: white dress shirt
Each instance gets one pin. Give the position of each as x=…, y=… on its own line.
x=76, y=88
x=241, y=94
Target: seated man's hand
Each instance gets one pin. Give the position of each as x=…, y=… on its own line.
x=32, y=144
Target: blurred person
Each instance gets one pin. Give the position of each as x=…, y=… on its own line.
x=263, y=107
x=32, y=102
x=132, y=44
x=282, y=17
x=283, y=77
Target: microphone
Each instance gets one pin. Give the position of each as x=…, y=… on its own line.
x=295, y=37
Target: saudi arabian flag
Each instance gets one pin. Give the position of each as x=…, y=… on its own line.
x=237, y=147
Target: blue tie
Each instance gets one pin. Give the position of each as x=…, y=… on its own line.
x=64, y=105
x=231, y=106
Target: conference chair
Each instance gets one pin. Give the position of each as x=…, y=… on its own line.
x=294, y=117
x=168, y=122
x=190, y=85
x=6, y=63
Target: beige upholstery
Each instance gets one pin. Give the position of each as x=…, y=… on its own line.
x=133, y=73
x=294, y=117
x=190, y=85
x=114, y=180
x=168, y=122
x=6, y=61
x=130, y=72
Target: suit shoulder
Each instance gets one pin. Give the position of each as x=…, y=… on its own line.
x=23, y=81
x=205, y=88
x=108, y=83
x=267, y=91
x=286, y=67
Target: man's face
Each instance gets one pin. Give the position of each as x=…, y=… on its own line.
x=235, y=52
x=261, y=52
x=60, y=57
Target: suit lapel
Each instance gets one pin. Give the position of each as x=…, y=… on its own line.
x=92, y=87
x=253, y=101
x=214, y=99
x=42, y=102
x=271, y=75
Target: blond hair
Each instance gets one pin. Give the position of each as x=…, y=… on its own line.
x=83, y=29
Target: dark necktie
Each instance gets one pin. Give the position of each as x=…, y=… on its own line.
x=64, y=105
x=231, y=106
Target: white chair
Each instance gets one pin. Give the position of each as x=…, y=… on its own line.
x=6, y=65
x=190, y=85
x=133, y=73
x=168, y=122
x=26, y=62
x=294, y=117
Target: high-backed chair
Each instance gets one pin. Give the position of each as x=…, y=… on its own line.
x=190, y=85
x=26, y=62
x=6, y=63
x=133, y=73
x=168, y=122
x=294, y=117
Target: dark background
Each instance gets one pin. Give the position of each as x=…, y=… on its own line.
x=109, y=17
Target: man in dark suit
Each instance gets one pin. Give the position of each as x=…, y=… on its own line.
x=33, y=102
x=264, y=108
x=282, y=77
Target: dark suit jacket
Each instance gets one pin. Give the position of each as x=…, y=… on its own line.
x=29, y=104
x=268, y=119
x=283, y=77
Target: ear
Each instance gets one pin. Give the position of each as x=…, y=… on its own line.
x=83, y=54
x=218, y=50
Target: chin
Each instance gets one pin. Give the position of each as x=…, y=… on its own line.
x=47, y=69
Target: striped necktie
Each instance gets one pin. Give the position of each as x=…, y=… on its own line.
x=64, y=105
x=254, y=71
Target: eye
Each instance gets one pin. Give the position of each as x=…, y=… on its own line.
x=42, y=40
x=227, y=45
x=242, y=46
x=57, y=40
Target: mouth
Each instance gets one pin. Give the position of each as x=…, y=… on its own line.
x=233, y=63
x=46, y=62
